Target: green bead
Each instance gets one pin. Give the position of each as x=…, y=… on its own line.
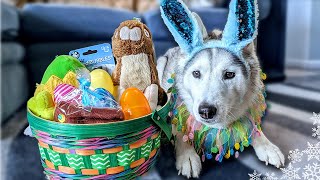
x=214, y=150
x=245, y=143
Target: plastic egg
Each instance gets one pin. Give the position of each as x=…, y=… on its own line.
x=101, y=79
x=134, y=104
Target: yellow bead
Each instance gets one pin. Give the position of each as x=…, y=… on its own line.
x=227, y=156
x=237, y=146
x=183, y=129
x=263, y=76
x=175, y=121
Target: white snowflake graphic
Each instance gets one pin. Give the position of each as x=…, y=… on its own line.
x=290, y=173
x=270, y=176
x=316, y=132
x=295, y=155
x=312, y=172
x=313, y=151
x=255, y=176
x=316, y=118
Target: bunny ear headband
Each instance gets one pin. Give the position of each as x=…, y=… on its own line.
x=240, y=30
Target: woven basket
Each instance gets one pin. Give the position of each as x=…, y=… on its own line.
x=122, y=150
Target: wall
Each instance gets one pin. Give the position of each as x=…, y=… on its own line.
x=315, y=31
x=303, y=34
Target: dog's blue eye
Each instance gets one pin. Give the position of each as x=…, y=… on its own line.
x=196, y=74
x=229, y=75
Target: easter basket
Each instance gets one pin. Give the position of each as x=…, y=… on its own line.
x=116, y=150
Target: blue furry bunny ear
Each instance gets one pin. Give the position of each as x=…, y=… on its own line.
x=182, y=24
x=242, y=25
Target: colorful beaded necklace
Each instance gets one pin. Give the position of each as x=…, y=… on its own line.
x=224, y=142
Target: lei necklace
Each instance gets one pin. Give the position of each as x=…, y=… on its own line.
x=224, y=142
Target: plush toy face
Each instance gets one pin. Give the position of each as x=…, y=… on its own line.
x=130, y=38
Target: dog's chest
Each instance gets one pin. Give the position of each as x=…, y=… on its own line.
x=135, y=72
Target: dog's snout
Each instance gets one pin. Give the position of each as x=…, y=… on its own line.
x=207, y=111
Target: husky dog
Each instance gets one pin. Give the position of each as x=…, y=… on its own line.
x=217, y=76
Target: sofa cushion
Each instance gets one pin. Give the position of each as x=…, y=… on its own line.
x=213, y=18
x=53, y=22
x=11, y=53
x=9, y=22
x=14, y=89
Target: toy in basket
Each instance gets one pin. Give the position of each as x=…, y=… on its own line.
x=84, y=133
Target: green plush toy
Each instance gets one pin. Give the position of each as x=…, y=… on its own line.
x=60, y=66
x=42, y=105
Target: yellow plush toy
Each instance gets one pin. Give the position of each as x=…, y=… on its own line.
x=42, y=105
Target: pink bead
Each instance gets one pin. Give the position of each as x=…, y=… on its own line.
x=185, y=138
x=236, y=154
x=191, y=136
x=217, y=157
x=203, y=158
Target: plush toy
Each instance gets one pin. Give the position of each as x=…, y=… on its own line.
x=42, y=105
x=151, y=94
x=61, y=70
x=134, y=52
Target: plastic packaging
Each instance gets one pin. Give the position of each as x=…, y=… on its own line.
x=85, y=105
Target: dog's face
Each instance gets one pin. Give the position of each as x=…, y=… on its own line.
x=217, y=86
x=216, y=81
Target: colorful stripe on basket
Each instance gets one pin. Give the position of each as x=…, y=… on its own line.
x=94, y=143
x=98, y=157
x=127, y=174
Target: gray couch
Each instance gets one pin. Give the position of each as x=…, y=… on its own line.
x=33, y=36
x=14, y=82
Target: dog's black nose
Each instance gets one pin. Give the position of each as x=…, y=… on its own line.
x=207, y=111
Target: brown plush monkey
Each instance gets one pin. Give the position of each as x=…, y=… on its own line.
x=134, y=52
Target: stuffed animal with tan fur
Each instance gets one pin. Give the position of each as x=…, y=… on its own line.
x=134, y=52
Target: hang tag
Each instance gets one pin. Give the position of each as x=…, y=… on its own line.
x=96, y=57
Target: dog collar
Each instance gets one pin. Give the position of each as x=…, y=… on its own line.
x=221, y=142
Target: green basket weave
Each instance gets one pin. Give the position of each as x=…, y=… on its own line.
x=122, y=150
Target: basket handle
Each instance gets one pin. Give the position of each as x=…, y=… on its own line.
x=160, y=118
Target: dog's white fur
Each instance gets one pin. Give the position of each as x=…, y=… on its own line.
x=231, y=97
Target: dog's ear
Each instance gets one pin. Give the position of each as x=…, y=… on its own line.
x=201, y=25
x=248, y=50
x=182, y=24
x=242, y=25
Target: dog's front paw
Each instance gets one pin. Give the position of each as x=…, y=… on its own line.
x=189, y=164
x=270, y=154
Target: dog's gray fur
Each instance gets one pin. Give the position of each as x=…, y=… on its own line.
x=231, y=97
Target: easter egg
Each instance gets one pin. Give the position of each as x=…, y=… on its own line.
x=134, y=104
x=101, y=79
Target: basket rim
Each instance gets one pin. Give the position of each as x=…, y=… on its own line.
x=110, y=129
